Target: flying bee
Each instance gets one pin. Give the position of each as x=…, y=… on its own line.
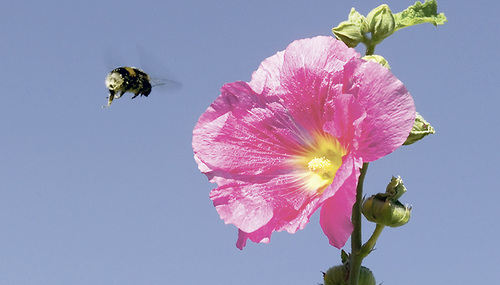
x=128, y=79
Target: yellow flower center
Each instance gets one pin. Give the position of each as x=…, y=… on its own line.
x=318, y=162
x=322, y=166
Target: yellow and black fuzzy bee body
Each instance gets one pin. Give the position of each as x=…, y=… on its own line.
x=127, y=79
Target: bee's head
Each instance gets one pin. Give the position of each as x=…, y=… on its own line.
x=114, y=81
x=146, y=90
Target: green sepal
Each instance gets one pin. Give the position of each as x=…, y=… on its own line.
x=418, y=14
x=344, y=256
x=421, y=128
x=378, y=59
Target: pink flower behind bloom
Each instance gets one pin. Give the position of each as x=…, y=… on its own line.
x=294, y=138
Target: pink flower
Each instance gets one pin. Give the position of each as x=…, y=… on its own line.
x=294, y=138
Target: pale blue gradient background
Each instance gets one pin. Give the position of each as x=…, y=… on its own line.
x=113, y=196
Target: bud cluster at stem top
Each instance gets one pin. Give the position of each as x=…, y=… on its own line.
x=381, y=23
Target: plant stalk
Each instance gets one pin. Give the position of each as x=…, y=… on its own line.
x=356, y=254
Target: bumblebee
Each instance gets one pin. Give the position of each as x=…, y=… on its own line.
x=127, y=79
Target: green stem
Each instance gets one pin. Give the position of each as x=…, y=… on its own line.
x=356, y=256
x=370, y=45
x=370, y=48
x=370, y=244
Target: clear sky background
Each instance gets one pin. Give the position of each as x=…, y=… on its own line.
x=113, y=196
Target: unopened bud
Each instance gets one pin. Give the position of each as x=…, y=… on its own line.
x=366, y=277
x=356, y=18
x=349, y=33
x=381, y=23
x=385, y=211
x=421, y=128
x=338, y=275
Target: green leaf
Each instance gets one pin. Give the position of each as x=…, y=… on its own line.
x=418, y=14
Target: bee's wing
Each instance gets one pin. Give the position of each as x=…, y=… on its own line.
x=168, y=84
x=157, y=71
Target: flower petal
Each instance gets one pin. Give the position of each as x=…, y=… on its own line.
x=390, y=111
x=346, y=121
x=335, y=216
x=324, y=54
x=244, y=133
x=261, y=236
x=274, y=205
x=303, y=75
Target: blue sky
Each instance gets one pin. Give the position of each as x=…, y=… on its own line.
x=113, y=196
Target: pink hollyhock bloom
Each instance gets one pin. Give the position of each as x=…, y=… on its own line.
x=294, y=138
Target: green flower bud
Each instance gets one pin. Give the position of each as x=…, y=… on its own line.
x=349, y=33
x=338, y=275
x=378, y=59
x=420, y=129
x=381, y=23
x=395, y=189
x=366, y=277
x=385, y=211
x=360, y=20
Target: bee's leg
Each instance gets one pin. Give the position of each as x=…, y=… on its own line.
x=110, y=98
x=119, y=95
x=135, y=95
